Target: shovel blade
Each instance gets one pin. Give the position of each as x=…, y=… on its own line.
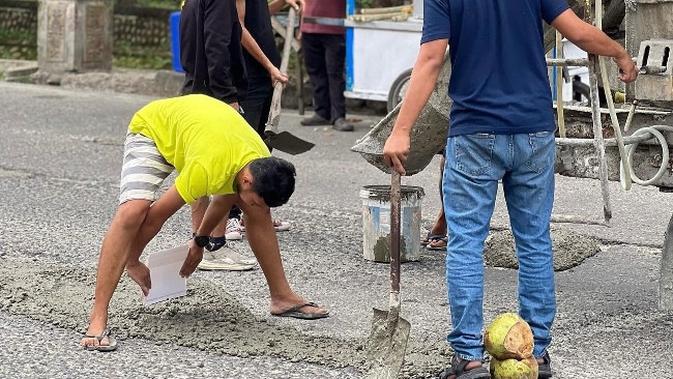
x=287, y=142
x=387, y=345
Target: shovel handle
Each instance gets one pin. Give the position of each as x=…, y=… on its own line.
x=274, y=114
x=395, y=205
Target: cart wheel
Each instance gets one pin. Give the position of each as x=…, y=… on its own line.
x=398, y=89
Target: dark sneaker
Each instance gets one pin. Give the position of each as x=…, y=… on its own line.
x=315, y=120
x=342, y=125
x=544, y=368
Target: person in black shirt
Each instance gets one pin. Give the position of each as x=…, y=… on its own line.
x=210, y=50
x=211, y=55
x=261, y=61
x=261, y=56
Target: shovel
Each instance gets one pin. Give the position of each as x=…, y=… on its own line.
x=284, y=141
x=387, y=342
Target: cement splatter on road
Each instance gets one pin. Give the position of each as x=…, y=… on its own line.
x=208, y=319
x=570, y=249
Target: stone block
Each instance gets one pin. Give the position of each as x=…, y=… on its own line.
x=74, y=35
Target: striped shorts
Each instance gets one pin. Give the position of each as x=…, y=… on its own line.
x=143, y=170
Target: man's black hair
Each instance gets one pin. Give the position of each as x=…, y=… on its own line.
x=273, y=180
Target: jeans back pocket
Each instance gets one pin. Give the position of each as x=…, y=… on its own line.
x=474, y=153
x=543, y=151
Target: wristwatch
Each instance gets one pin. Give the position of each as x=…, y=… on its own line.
x=201, y=241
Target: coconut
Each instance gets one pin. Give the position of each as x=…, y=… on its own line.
x=509, y=337
x=514, y=369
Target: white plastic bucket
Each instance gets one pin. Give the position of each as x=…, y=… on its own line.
x=376, y=223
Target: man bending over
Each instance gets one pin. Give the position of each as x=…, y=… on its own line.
x=180, y=133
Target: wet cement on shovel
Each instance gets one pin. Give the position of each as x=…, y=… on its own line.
x=208, y=319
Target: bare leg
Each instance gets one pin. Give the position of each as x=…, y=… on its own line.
x=157, y=215
x=263, y=241
x=439, y=226
x=117, y=246
x=114, y=253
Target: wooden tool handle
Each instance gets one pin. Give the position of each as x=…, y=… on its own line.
x=274, y=114
x=395, y=205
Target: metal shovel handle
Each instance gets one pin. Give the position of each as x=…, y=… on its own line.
x=395, y=205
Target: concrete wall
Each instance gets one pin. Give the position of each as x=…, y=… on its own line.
x=134, y=28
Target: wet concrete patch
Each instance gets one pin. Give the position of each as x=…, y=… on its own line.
x=570, y=249
x=14, y=173
x=208, y=319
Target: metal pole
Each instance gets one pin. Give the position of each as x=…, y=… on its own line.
x=559, y=89
x=300, y=82
x=666, y=272
x=599, y=142
x=395, y=205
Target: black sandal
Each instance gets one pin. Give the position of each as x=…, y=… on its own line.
x=544, y=368
x=459, y=371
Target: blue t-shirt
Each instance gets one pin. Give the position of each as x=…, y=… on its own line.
x=499, y=82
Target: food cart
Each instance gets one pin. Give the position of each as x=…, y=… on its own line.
x=380, y=55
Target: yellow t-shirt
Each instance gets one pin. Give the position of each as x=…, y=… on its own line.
x=207, y=141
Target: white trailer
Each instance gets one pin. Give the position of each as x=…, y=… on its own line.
x=380, y=55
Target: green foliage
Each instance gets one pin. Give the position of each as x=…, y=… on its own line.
x=379, y=3
x=130, y=56
x=18, y=52
x=165, y=4
x=18, y=44
x=144, y=62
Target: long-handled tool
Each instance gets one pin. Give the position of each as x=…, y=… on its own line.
x=387, y=342
x=284, y=141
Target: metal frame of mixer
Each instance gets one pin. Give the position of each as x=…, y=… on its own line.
x=623, y=155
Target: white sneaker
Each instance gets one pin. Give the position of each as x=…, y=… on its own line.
x=239, y=258
x=281, y=226
x=225, y=259
x=233, y=231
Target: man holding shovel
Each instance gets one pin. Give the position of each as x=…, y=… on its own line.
x=502, y=128
x=262, y=62
x=178, y=133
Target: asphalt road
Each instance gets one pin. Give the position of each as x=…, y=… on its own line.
x=60, y=155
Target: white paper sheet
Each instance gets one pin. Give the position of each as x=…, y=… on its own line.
x=165, y=275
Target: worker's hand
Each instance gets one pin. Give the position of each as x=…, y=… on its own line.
x=298, y=5
x=235, y=106
x=628, y=71
x=396, y=151
x=277, y=76
x=194, y=257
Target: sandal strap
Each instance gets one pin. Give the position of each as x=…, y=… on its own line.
x=300, y=306
x=104, y=333
x=458, y=369
x=458, y=365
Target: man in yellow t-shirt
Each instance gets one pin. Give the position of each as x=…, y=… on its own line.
x=216, y=153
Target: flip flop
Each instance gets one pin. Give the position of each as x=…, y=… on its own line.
x=295, y=313
x=112, y=342
x=430, y=237
x=437, y=238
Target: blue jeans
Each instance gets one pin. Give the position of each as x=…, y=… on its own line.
x=474, y=165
